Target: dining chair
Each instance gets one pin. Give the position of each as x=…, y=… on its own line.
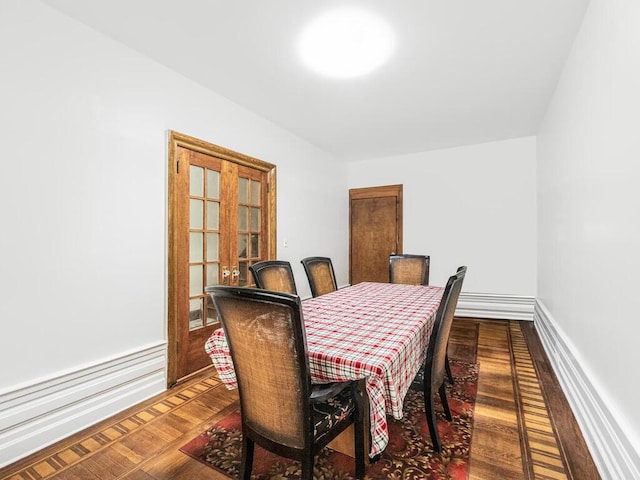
x=409, y=269
x=281, y=410
x=446, y=358
x=430, y=377
x=320, y=274
x=413, y=270
x=274, y=275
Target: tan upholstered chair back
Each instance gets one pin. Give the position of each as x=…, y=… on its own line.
x=268, y=348
x=322, y=279
x=274, y=275
x=409, y=269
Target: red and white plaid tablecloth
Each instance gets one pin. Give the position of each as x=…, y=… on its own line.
x=376, y=331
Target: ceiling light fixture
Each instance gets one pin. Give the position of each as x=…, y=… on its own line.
x=345, y=43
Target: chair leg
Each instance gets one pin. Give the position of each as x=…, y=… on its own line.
x=307, y=466
x=445, y=403
x=448, y=368
x=246, y=463
x=358, y=433
x=430, y=413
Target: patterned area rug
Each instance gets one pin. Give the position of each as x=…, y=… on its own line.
x=409, y=454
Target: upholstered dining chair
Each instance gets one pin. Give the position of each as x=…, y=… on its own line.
x=430, y=378
x=413, y=270
x=409, y=269
x=446, y=358
x=274, y=275
x=320, y=274
x=280, y=409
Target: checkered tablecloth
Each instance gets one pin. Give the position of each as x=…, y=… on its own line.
x=376, y=331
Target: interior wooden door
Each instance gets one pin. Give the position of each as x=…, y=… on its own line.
x=251, y=217
x=202, y=249
x=221, y=220
x=375, y=226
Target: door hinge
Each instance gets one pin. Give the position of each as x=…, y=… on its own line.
x=268, y=187
x=177, y=166
x=177, y=347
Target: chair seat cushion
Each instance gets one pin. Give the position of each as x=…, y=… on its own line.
x=327, y=414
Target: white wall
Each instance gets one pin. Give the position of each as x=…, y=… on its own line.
x=83, y=193
x=588, y=206
x=472, y=205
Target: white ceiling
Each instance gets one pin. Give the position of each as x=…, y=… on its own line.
x=464, y=71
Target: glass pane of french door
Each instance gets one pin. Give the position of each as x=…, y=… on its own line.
x=251, y=239
x=204, y=243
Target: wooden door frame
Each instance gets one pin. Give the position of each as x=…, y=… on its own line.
x=185, y=141
x=377, y=192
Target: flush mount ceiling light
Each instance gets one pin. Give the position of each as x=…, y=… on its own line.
x=345, y=43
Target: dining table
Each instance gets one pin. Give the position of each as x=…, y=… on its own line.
x=378, y=332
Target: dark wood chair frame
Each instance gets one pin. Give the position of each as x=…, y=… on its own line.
x=258, y=269
x=432, y=376
x=308, y=262
x=309, y=395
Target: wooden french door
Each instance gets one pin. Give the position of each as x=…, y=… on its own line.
x=375, y=231
x=221, y=220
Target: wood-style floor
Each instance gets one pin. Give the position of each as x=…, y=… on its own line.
x=523, y=427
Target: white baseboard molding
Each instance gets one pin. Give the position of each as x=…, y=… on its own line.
x=35, y=416
x=612, y=452
x=486, y=305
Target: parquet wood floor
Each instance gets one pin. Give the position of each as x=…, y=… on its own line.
x=523, y=427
